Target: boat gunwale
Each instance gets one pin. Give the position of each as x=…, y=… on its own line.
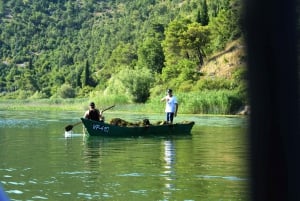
x=105, y=129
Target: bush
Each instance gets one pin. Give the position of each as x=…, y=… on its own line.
x=38, y=95
x=134, y=83
x=214, y=84
x=66, y=91
x=23, y=94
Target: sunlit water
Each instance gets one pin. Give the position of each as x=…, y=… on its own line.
x=39, y=161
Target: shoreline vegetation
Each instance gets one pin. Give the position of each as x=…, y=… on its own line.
x=215, y=103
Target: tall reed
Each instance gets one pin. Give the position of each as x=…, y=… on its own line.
x=202, y=102
x=210, y=102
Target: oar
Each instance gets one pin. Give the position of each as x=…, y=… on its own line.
x=108, y=108
x=70, y=127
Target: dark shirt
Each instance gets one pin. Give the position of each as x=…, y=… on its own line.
x=94, y=114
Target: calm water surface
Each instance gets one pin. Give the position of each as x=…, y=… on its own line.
x=38, y=162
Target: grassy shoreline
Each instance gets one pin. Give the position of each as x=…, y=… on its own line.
x=42, y=104
x=224, y=102
x=67, y=105
x=82, y=105
x=73, y=105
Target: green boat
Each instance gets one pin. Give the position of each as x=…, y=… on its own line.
x=96, y=128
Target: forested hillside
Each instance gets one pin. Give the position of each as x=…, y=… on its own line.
x=68, y=48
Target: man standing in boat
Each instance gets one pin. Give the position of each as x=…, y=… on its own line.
x=171, y=106
x=93, y=113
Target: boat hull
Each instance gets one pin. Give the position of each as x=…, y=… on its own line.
x=95, y=128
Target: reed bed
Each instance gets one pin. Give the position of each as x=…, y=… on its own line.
x=42, y=104
x=204, y=102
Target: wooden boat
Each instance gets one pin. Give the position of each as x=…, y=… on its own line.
x=96, y=128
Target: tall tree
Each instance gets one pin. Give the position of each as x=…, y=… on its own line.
x=204, y=19
x=171, y=46
x=225, y=27
x=1, y=7
x=151, y=55
x=123, y=55
x=85, y=77
x=194, y=41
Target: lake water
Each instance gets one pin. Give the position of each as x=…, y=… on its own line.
x=38, y=162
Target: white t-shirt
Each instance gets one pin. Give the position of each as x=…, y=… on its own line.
x=170, y=104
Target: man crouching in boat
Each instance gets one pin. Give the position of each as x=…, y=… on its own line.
x=93, y=113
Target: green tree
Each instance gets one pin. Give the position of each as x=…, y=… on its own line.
x=225, y=27
x=194, y=41
x=86, y=77
x=198, y=17
x=123, y=55
x=203, y=18
x=151, y=55
x=66, y=91
x=178, y=73
x=1, y=7
x=27, y=81
x=135, y=83
x=12, y=79
x=171, y=44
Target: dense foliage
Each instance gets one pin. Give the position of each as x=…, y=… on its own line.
x=66, y=48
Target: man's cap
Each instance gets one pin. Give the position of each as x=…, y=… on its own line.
x=92, y=104
x=169, y=91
